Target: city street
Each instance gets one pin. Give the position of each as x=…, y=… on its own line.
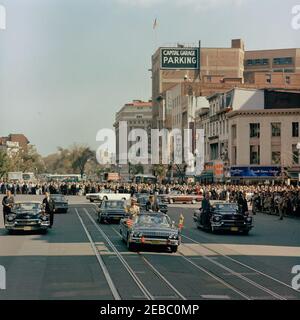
x=81, y=259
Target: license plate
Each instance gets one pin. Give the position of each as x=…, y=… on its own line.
x=155, y=241
x=234, y=229
x=27, y=228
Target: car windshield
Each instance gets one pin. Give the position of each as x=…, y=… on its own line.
x=112, y=205
x=106, y=191
x=226, y=207
x=57, y=197
x=26, y=206
x=153, y=220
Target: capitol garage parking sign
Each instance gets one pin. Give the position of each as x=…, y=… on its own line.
x=179, y=58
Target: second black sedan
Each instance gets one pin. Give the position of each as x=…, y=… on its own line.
x=111, y=211
x=60, y=203
x=223, y=216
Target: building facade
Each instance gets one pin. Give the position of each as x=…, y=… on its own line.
x=137, y=115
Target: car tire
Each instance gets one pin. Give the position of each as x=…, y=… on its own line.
x=91, y=200
x=44, y=231
x=10, y=232
x=101, y=220
x=174, y=249
x=245, y=232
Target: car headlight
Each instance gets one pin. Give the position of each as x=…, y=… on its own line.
x=44, y=218
x=249, y=219
x=173, y=236
x=217, y=218
x=11, y=217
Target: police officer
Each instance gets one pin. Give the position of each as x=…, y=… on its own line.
x=49, y=207
x=7, y=203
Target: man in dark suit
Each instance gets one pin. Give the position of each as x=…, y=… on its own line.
x=152, y=205
x=206, y=208
x=49, y=207
x=7, y=203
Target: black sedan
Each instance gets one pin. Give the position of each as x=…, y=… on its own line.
x=142, y=201
x=223, y=216
x=150, y=228
x=60, y=203
x=27, y=216
x=111, y=211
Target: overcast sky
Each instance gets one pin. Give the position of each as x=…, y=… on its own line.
x=66, y=66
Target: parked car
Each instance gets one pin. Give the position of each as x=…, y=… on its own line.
x=111, y=211
x=177, y=196
x=27, y=216
x=107, y=194
x=223, y=216
x=150, y=228
x=60, y=203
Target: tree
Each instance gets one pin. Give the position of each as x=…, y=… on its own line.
x=26, y=160
x=4, y=164
x=160, y=171
x=80, y=155
x=136, y=168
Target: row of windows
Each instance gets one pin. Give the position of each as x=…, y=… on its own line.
x=262, y=62
x=275, y=130
x=216, y=127
x=275, y=155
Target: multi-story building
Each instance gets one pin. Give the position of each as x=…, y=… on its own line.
x=13, y=143
x=254, y=133
x=210, y=66
x=137, y=115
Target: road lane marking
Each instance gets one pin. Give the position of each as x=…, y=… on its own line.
x=110, y=282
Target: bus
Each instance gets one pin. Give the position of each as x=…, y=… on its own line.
x=144, y=178
x=65, y=177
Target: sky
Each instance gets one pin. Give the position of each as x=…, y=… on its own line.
x=67, y=66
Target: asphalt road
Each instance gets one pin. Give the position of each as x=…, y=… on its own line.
x=80, y=259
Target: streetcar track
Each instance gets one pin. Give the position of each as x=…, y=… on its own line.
x=240, y=276
x=240, y=263
x=224, y=267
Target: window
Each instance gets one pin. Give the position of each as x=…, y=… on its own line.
x=268, y=78
x=214, y=151
x=254, y=130
x=287, y=60
x=276, y=129
x=288, y=80
x=233, y=132
x=254, y=154
x=253, y=62
x=234, y=155
x=276, y=157
x=296, y=157
x=295, y=129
